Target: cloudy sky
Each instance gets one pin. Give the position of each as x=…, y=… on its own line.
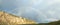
x=41, y=11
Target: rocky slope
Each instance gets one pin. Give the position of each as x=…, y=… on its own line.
x=9, y=19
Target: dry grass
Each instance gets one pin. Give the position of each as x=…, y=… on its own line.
x=9, y=19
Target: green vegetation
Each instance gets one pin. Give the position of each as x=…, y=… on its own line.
x=51, y=23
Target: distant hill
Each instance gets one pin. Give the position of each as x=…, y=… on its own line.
x=9, y=19
x=51, y=23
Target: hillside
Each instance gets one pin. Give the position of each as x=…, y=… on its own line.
x=51, y=23
x=9, y=19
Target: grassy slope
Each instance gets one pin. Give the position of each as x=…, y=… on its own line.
x=51, y=23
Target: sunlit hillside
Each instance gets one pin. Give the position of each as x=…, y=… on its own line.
x=9, y=19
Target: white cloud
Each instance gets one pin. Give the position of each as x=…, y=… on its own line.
x=41, y=9
x=36, y=2
x=51, y=12
x=51, y=19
